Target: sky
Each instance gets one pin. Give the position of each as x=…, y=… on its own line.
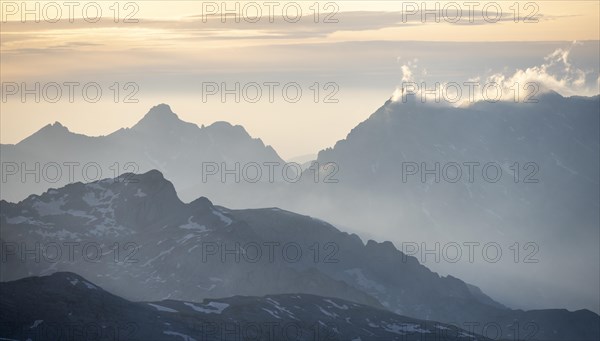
x=345, y=57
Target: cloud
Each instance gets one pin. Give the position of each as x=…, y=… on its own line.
x=556, y=73
x=195, y=27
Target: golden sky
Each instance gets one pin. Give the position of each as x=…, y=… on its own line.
x=175, y=39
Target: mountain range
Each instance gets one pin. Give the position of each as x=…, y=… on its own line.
x=409, y=163
x=70, y=307
x=401, y=176
x=160, y=140
x=134, y=229
x=399, y=167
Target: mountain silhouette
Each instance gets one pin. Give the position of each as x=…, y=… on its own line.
x=167, y=249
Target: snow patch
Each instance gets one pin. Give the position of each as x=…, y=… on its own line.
x=161, y=308
x=327, y=313
x=193, y=226
x=280, y=308
x=21, y=219
x=404, y=328
x=182, y=336
x=163, y=253
x=342, y=307
x=185, y=238
x=213, y=307
x=273, y=313
x=89, y=285
x=221, y=216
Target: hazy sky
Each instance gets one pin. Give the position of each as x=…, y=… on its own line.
x=356, y=55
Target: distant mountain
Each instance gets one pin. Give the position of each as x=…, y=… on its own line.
x=133, y=236
x=550, y=147
x=67, y=306
x=159, y=240
x=407, y=170
x=160, y=140
x=303, y=160
x=559, y=136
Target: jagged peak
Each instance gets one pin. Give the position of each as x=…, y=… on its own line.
x=159, y=117
x=57, y=124
x=161, y=109
x=152, y=176
x=225, y=125
x=47, y=132
x=226, y=129
x=54, y=127
x=202, y=202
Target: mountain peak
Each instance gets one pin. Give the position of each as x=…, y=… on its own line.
x=159, y=117
x=221, y=124
x=152, y=176
x=50, y=132
x=161, y=112
x=550, y=95
x=161, y=109
x=55, y=127
x=226, y=129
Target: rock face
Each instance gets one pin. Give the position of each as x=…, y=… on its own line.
x=133, y=236
x=67, y=306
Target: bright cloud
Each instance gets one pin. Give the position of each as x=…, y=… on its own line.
x=556, y=73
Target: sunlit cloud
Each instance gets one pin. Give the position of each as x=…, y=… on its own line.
x=556, y=73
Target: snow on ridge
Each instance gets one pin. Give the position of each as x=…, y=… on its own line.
x=89, y=285
x=75, y=281
x=182, y=336
x=272, y=313
x=161, y=308
x=162, y=253
x=342, y=307
x=21, y=219
x=328, y=313
x=404, y=328
x=185, y=238
x=214, y=307
x=280, y=308
x=190, y=225
x=221, y=216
